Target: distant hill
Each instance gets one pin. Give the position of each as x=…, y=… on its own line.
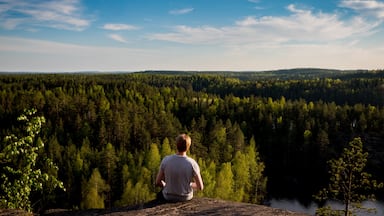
x=297, y=73
x=282, y=74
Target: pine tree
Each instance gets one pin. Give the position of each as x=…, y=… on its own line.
x=94, y=191
x=137, y=194
x=217, y=139
x=165, y=148
x=240, y=169
x=208, y=174
x=125, y=174
x=348, y=183
x=153, y=163
x=224, y=182
x=258, y=182
x=127, y=198
x=153, y=158
x=108, y=167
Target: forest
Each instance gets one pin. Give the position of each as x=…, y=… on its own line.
x=255, y=135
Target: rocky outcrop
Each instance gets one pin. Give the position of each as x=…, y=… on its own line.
x=197, y=206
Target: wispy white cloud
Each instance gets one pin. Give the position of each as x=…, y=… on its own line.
x=294, y=9
x=11, y=23
x=42, y=55
x=367, y=7
x=117, y=38
x=119, y=27
x=59, y=14
x=256, y=2
x=181, y=11
x=301, y=25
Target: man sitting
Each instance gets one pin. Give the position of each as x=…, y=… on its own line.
x=179, y=174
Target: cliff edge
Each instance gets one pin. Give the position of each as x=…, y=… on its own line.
x=197, y=206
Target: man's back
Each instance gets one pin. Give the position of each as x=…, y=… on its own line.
x=179, y=172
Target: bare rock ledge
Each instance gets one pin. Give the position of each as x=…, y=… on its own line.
x=197, y=206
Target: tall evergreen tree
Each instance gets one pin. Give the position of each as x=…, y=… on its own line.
x=208, y=174
x=217, y=140
x=258, y=182
x=135, y=194
x=349, y=183
x=153, y=162
x=94, y=192
x=241, y=174
x=224, y=182
x=108, y=165
x=165, y=148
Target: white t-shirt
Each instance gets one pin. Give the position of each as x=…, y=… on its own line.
x=179, y=172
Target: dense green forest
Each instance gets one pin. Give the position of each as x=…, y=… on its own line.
x=256, y=135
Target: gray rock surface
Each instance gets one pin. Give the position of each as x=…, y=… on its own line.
x=197, y=206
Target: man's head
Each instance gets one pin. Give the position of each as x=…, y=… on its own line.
x=183, y=142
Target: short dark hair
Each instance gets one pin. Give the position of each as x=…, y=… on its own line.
x=183, y=142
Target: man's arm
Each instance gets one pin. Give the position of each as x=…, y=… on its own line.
x=198, y=183
x=160, y=178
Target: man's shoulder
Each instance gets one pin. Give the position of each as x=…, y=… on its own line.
x=169, y=158
x=192, y=160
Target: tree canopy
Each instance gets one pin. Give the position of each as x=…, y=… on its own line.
x=280, y=128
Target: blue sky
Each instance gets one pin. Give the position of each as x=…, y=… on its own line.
x=235, y=35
